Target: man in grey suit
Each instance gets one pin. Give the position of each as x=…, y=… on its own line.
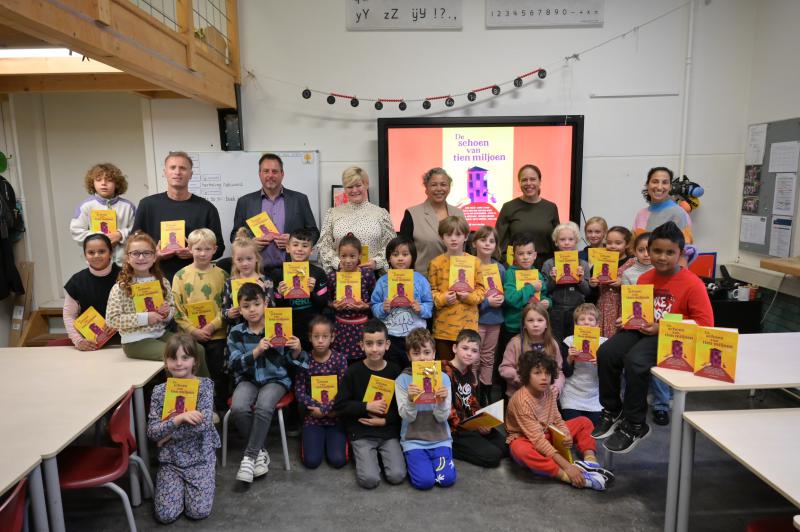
x=289, y=210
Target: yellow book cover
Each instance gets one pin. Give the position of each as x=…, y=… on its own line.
x=364, y=255
x=401, y=288
x=491, y=279
x=180, y=396
x=103, y=221
x=586, y=340
x=147, y=297
x=261, y=224
x=509, y=255
x=348, y=286
x=637, y=305
x=278, y=325
x=604, y=264
x=715, y=353
x=426, y=374
x=324, y=388
x=173, y=234
x=93, y=327
x=201, y=313
x=567, y=267
x=676, y=345
x=379, y=388
x=488, y=417
x=236, y=284
x=462, y=274
x=295, y=275
x=557, y=438
x=523, y=277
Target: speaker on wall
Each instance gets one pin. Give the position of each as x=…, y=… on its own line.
x=230, y=124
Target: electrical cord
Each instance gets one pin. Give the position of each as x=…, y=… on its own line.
x=777, y=291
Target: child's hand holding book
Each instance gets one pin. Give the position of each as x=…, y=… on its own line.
x=450, y=297
x=86, y=345
x=378, y=407
x=441, y=393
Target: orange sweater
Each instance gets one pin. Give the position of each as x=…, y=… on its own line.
x=449, y=320
x=529, y=417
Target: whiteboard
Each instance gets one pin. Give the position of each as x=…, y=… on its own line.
x=223, y=177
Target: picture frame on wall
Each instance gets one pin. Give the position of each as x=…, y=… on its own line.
x=338, y=195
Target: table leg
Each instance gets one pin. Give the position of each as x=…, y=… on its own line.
x=673, y=470
x=685, y=488
x=133, y=472
x=141, y=422
x=36, y=491
x=54, y=508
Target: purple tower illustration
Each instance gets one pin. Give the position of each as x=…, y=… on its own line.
x=264, y=229
x=173, y=239
x=492, y=287
x=567, y=277
x=278, y=339
x=95, y=329
x=180, y=404
x=604, y=276
x=461, y=285
x=715, y=358
x=202, y=321
x=586, y=347
x=378, y=396
x=324, y=397
x=400, y=300
x=636, y=320
x=677, y=349
x=149, y=305
x=477, y=187
x=296, y=290
x=427, y=385
x=104, y=227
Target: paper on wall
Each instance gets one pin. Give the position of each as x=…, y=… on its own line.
x=783, y=156
x=756, y=142
x=780, y=237
x=753, y=229
x=783, y=201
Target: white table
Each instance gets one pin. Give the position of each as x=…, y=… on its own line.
x=763, y=361
x=753, y=438
x=51, y=395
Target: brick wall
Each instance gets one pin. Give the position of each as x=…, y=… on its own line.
x=784, y=316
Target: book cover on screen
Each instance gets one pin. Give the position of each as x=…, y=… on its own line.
x=401, y=288
x=173, y=234
x=488, y=417
x=523, y=277
x=557, y=437
x=604, y=264
x=364, y=255
x=324, y=388
x=236, y=285
x=348, y=287
x=295, y=275
x=379, y=388
x=676, y=344
x=261, y=224
x=93, y=327
x=147, y=297
x=715, y=353
x=201, y=313
x=637, y=305
x=278, y=325
x=567, y=267
x=586, y=340
x=427, y=375
x=462, y=274
x=103, y=221
x=491, y=279
x=180, y=396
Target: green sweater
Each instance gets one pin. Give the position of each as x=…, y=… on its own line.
x=516, y=299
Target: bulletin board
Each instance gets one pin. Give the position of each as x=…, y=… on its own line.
x=770, y=188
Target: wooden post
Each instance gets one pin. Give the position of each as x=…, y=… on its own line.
x=102, y=11
x=233, y=38
x=183, y=12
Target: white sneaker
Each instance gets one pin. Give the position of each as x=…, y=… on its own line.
x=245, y=473
x=262, y=464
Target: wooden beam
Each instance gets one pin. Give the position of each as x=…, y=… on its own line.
x=161, y=95
x=102, y=11
x=233, y=38
x=113, y=82
x=51, y=65
x=148, y=52
x=183, y=12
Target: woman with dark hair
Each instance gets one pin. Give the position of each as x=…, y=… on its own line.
x=662, y=208
x=421, y=222
x=90, y=287
x=529, y=213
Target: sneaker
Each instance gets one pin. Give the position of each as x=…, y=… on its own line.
x=626, y=437
x=261, y=466
x=595, y=481
x=661, y=417
x=594, y=467
x=605, y=427
x=245, y=473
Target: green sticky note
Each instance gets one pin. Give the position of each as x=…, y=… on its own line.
x=667, y=316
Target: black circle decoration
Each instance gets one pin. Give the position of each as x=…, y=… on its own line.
x=426, y=104
x=354, y=102
x=402, y=106
x=449, y=101
x=306, y=94
x=331, y=99
x=542, y=73
x=471, y=96
x=518, y=82
x=378, y=105
x=496, y=90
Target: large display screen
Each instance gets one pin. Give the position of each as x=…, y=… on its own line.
x=483, y=156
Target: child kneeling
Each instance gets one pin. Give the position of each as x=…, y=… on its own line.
x=531, y=411
x=424, y=432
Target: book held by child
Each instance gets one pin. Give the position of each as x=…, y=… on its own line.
x=523, y=277
x=201, y=313
x=604, y=264
x=278, y=325
x=586, y=340
x=173, y=234
x=491, y=279
x=426, y=375
x=147, y=297
x=324, y=388
x=180, y=396
x=295, y=275
x=103, y=221
x=462, y=274
x=236, y=284
x=558, y=438
x=348, y=286
x=93, y=327
x=637, y=305
x=488, y=417
x=401, y=288
x=567, y=267
x=379, y=388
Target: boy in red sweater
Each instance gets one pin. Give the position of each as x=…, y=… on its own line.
x=676, y=290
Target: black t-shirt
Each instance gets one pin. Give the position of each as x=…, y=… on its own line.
x=350, y=403
x=90, y=290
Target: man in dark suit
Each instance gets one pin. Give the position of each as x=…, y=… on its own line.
x=289, y=210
